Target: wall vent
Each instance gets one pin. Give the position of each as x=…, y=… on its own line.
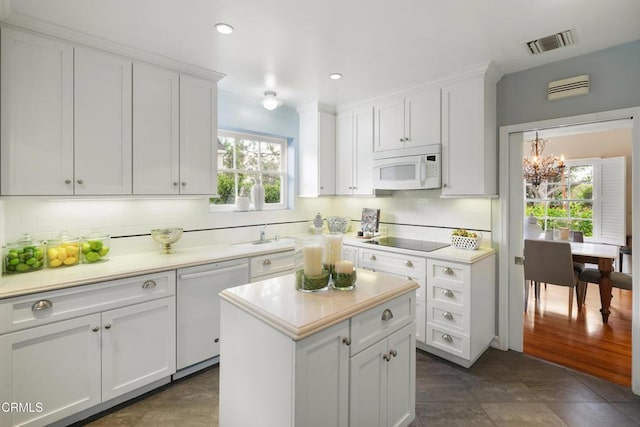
x=573, y=86
x=554, y=41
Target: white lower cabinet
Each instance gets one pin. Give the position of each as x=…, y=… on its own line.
x=72, y=349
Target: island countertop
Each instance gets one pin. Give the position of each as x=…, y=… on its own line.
x=301, y=314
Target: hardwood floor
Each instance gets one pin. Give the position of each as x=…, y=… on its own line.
x=579, y=339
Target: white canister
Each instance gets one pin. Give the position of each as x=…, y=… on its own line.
x=242, y=203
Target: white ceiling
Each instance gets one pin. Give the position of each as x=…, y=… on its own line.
x=291, y=46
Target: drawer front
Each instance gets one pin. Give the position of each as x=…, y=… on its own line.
x=408, y=266
x=451, y=342
x=46, y=307
x=448, y=318
x=272, y=263
x=445, y=272
x=380, y=321
x=446, y=297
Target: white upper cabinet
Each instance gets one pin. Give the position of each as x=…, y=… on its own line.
x=37, y=115
x=407, y=121
x=469, y=153
x=156, y=130
x=354, y=149
x=198, y=136
x=316, y=157
x=102, y=152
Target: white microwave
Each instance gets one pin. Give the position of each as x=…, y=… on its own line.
x=414, y=172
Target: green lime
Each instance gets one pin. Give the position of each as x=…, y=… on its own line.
x=14, y=261
x=12, y=254
x=19, y=250
x=38, y=253
x=104, y=251
x=11, y=268
x=86, y=247
x=31, y=261
x=22, y=268
x=37, y=265
x=92, y=256
x=96, y=245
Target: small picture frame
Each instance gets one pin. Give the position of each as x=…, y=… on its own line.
x=370, y=220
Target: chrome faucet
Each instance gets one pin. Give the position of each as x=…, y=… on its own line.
x=262, y=233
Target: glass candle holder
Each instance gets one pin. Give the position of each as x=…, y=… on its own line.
x=344, y=278
x=306, y=283
x=332, y=250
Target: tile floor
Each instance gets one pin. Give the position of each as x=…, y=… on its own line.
x=501, y=389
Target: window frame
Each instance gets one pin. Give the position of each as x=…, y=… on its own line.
x=282, y=173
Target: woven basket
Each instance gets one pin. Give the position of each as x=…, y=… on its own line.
x=462, y=242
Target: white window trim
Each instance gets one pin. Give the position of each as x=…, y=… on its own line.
x=283, y=172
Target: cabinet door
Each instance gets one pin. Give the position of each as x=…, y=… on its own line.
x=344, y=153
x=156, y=143
x=56, y=366
x=401, y=374
x=368, y=386
x=422, y=118
x=198, y=136
x=327, y=153
x=389, y=124
x=322, y=374
x=36, y=88
x=102, y=153
x=350, y=253
x=138, y=346
x=363, y=161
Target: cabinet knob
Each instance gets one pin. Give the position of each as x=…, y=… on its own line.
x=175, y=183
x=216, y=340
x=266, y=262
x=372, y=257
x=43, y=304
x=80, y=181
x=107, y=326
x=393, y=353
x=346, y=341
x=183, y=183
x=444, y=185
x=148, y=284
x=447, y=270
x=447, y=338
x=407, y=140
x=401, y=139
x=96, y=329
x=67, y=181
x=447, y=315
x=447, y=293
x=322, y=188
x=408, y=263
x=387, y=314
x=386, y=357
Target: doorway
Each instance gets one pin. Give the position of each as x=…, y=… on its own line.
x=509, y=214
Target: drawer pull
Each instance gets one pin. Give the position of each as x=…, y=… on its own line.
x=216, y=340
x=447, y=315
x=393, y=353
x=346, y=341
x=266, y=262
x=408, y=263
x=409, y=278
x=386, y=357
x=447, y=270
x=447, y=293
x=372, y=257
x=387, y=314
x=96, y=329
x=149, y=284
x=447, y=338
x=43, y=304
x=107, y=326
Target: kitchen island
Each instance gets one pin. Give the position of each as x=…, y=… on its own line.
x=329, y=358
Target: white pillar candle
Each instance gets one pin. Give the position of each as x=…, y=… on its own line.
x=312, y=260
x=344, y=267
x=332, y=248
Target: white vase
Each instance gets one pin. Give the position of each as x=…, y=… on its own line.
x=257, y=194
x=242, y=203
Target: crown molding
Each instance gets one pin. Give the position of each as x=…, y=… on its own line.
x=10, y=18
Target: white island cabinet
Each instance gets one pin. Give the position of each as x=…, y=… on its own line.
x=332, y=358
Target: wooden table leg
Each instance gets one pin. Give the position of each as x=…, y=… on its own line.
x=605, y=266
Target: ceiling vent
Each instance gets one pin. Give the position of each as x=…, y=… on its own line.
x=573, y=86
x=554, y=41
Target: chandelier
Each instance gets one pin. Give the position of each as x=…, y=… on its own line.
x=538, y=168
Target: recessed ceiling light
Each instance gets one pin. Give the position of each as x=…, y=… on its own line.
x=335, y=76
x=223, y=28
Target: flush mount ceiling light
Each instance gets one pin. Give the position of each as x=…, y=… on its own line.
x=270, y=102
x=223, y=28
x=335, y=76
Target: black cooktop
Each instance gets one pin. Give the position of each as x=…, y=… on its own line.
x=415, y=245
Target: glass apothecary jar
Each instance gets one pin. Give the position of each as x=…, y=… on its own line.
x=95, y=247
x=63, y=251
x=24, y=255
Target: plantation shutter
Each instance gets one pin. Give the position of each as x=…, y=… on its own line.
x=612, y=201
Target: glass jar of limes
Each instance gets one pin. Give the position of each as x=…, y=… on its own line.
x=63, y=251
x=95, y=247
x=24, y=255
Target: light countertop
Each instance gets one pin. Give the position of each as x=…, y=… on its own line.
x=300, y=314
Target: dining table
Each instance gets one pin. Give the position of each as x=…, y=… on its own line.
x=603, y=256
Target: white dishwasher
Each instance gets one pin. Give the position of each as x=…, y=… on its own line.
x=198, y=310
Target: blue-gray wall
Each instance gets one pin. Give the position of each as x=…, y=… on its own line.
x=614, y=75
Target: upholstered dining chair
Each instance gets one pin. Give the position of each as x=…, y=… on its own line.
x=592, y=275
x=578, y=236
x=550, y=261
